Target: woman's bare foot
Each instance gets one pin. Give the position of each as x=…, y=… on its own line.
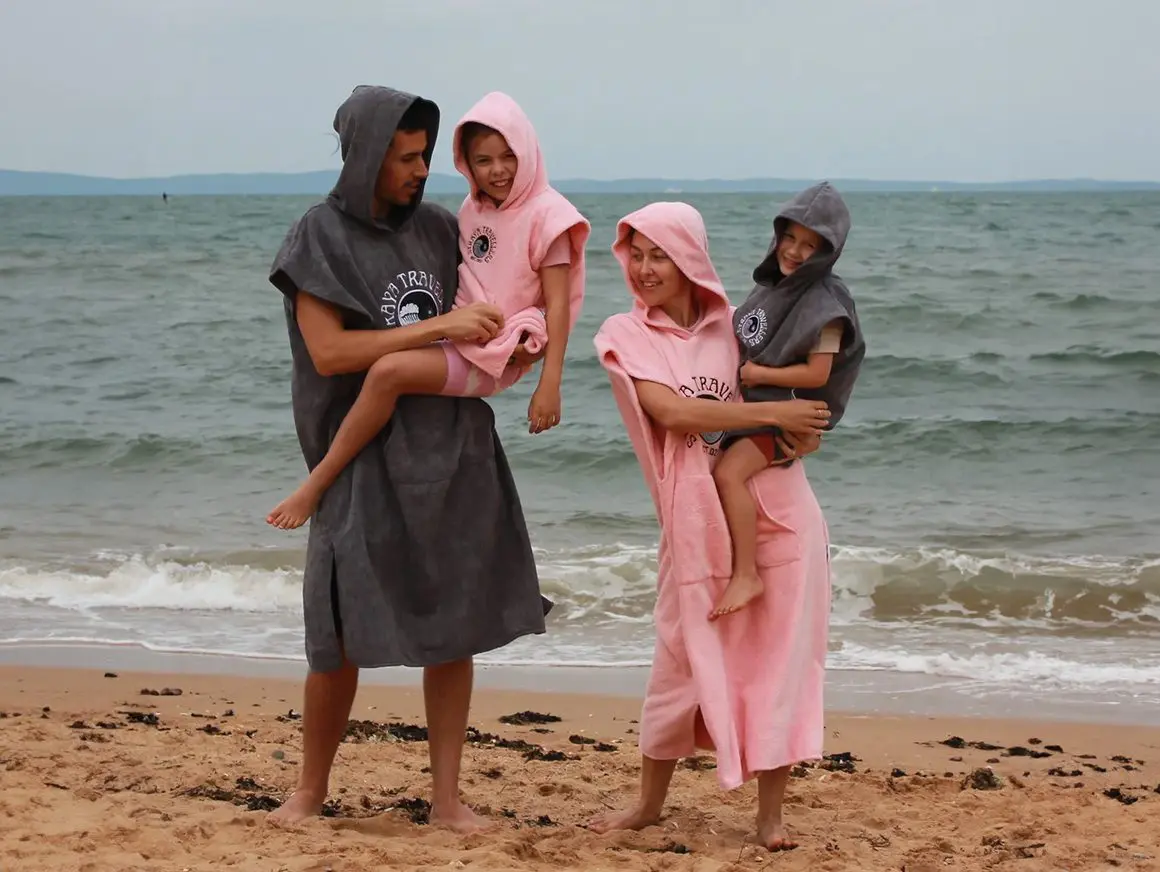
x=773, y=837
x=302, y=804
x=295, y=510
x=636, y=818
x=459, y=818
x=742, y=590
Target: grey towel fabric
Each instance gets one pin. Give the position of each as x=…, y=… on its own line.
x=419, y=553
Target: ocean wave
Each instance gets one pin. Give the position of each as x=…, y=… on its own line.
x=124, y=450
x=1148, y=361
x=601, y=584
x=1046, y=671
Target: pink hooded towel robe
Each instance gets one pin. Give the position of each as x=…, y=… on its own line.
x=503, y=247
x=756, y=677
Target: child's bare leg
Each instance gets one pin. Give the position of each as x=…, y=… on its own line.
x=741, y=461
x=418, y=371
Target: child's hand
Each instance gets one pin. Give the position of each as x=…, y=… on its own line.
x=544, y=409
x=751, y=374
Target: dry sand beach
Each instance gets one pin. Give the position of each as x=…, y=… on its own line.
x=105, y=771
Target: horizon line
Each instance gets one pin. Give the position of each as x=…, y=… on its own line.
x=563, y=178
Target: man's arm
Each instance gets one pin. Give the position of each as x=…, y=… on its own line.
x=336, y=350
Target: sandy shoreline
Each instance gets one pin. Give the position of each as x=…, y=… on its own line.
x=880, y=691
x=98, y=776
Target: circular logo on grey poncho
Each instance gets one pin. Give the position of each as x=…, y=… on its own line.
x=415, y=305
x=411, y=296
x=754, y=326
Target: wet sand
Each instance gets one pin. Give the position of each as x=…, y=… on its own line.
x=154, y=771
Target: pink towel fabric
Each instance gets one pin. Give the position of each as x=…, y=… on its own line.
x=755, y=677
x=503, y=247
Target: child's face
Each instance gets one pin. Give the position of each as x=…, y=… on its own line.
x=493, y=165
x=654, y=276
x=796, y=246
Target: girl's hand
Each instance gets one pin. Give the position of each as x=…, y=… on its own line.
x=544, y=409
x=750, y=374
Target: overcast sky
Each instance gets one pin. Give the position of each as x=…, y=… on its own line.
x=885, y=89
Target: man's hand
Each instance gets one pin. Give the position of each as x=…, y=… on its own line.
x=477, y=322
x=544, y=409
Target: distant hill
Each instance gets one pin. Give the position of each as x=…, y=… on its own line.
x=17, y=183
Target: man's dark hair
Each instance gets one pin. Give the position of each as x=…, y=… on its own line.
x=416, y=118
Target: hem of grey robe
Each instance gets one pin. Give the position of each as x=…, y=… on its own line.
x=325, y=649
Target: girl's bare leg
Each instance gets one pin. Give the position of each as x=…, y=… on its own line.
x=770, y=793
x=741, y=461
x=655, y=776
x=417, y=371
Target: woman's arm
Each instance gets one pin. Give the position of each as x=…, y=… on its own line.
x=336, y=350
x=691, y=415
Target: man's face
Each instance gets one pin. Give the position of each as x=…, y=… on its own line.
x=403, y=169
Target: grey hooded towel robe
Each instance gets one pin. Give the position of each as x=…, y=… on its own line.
x=419, y=553
x=783, y=316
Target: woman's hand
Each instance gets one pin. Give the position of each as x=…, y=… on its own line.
x=805, y=417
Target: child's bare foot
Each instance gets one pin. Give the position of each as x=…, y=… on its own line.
x=773, y=837
x=635, y=818
x=459, y=818
x=742, y=589
x=301, y=804
x=295, y=510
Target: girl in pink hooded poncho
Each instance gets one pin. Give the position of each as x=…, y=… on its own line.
x=750, y=687
x=522, y=249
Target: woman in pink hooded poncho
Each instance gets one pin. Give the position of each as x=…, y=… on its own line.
x=749, y=688
x=522, y=259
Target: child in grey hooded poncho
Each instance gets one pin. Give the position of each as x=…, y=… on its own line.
x=799, y=337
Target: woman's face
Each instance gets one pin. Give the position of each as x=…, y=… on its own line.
x=654, y=276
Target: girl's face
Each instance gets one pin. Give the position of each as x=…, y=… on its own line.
x=796, y=246
x=493, y=165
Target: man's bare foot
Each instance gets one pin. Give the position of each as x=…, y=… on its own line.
x=295, y=510
x=773, y=837
x=459, y=818
x=742, y=589
x=635, y=818
x=302, y=804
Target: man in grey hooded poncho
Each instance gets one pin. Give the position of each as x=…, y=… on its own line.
x=418, y=555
